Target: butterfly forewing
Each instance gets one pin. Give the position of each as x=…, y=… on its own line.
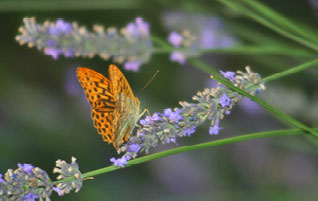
x=99, y=93
x=119, y=82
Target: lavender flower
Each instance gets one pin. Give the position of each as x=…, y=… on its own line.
x=132, y=65
x=214, y=130
x=175, y=39
x=194, y=33
x=131, y=45
x=25, y=183
x=119, y=162
x=58, y=191
x=211, y=104
x=67, y=170
x=30, y=183
x=1, y=179
x=173, y=117
x=178, y=57
x=230, y=75
x=225, y=100
x=30, y=197
x=189, y=131
x=27, y=168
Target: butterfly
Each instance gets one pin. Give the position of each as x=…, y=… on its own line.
x=115, y=109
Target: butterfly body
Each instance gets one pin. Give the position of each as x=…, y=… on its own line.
x=115, y=109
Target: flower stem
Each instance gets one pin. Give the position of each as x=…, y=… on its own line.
x=293, y=70
x=214, y=143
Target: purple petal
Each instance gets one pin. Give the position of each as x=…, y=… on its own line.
x=58, y=191
x=119, y=162
x=175, y=39
x=132, y=65
x=30, y=197
x=54, y=52
x=142, y=26
x=177, y=57
x=215, y=129
x=230, y=75
x=225, y=101
x=1, y=179
x=134, y=148
x=27, y=168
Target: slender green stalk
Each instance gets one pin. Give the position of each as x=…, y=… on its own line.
x=293, y=70
x=246, y=49
x=270, y=108
x=238, y=7
x=161, y=43
x=276, y=133
x=281, y=20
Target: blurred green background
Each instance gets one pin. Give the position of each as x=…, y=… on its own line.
x=44, y=115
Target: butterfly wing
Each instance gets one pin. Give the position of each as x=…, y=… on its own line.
x=119, y=82
x=98, y=90
x=127, y=106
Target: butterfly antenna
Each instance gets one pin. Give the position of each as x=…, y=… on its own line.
x=154, y=75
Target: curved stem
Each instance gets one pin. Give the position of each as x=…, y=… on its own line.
x=177, y=150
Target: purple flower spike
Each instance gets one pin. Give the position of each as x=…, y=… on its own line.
x=173, y=116
x=64, y=27
x=189, y=131
x=30, y=197
x=58, y=191
x=54, y=52
x=215, y=129
x=69, y=53
x=225, y=100
x=175, y=39
x=119, y=162
x=134, y=148
x=51, y=42
x=229, y=75
x=142, y=26
x=132, y=65
x=60, y=27
x=27, y=168
x=177, y=57
x=1, y=179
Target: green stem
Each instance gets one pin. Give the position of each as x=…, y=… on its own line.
x=161, y=43
x=214, y=143
x=293, y=70
x=270, y=108
x=244, y=49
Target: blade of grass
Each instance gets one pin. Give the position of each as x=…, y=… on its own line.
x=293, y=70
x=238, y=7
x=281, y=20
x=231, y=140
x=284, y=117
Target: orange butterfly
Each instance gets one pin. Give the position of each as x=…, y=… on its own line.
x=115, y=109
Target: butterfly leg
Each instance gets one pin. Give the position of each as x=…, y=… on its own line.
x=143, y=112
